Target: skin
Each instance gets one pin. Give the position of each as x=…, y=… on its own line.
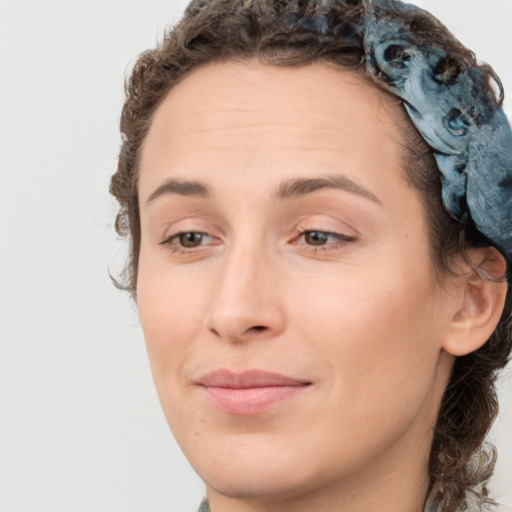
x=361, y=317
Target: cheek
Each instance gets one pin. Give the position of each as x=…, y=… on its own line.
x=379, y=356
x=375, y=334
x=170, y=316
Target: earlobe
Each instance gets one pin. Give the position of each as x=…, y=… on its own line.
x=479, y=302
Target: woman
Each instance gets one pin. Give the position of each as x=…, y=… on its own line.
x=317, y=196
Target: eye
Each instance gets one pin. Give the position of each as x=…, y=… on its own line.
x=316, y=237
x=186, y=240
x=190, y=239
x=319, y=238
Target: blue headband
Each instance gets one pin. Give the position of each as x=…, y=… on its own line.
x=455, y=114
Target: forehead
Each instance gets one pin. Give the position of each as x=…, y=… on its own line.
x=294, y=121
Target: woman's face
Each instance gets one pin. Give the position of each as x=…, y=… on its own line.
x=285, y=289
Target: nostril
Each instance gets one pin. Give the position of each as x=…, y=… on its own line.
x=258, y=328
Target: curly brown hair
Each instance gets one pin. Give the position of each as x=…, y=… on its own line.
x=285, y=33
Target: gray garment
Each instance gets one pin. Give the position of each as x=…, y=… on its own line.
x=205, y=507
x=430, y=507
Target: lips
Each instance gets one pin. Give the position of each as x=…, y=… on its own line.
x=250, y=392
x=249, y=379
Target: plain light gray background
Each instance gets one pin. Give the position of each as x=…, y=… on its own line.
x=80, y=424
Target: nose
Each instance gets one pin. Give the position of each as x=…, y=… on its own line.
x=247, y=302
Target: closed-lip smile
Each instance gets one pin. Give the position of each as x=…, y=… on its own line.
x=250, y=392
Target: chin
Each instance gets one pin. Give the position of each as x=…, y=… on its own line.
x=274, y=475
x=267, y=485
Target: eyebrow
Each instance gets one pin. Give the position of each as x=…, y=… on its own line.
x=302, y=186
x=179, y=187
x=292, y=188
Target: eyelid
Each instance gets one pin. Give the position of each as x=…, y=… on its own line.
x=326, y=223
x=170, y=219
x=190, y=222
x=323, y=217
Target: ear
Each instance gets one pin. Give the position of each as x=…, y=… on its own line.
x=478, y=302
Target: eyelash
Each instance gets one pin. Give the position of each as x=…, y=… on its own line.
x=341, y=241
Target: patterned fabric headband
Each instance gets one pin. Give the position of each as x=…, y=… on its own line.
x=470, y=137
